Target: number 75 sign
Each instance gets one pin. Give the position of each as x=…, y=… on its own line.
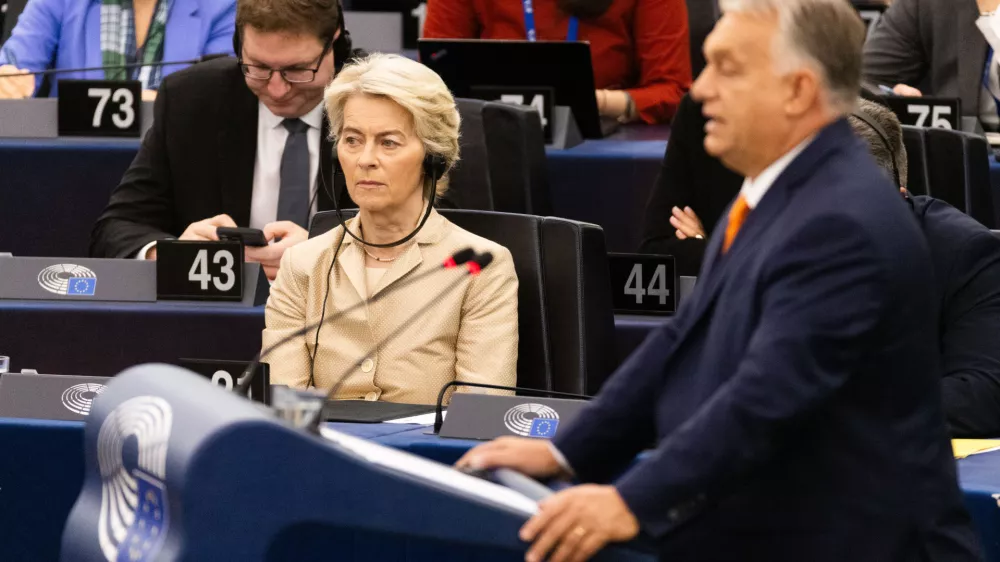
x=935, y=113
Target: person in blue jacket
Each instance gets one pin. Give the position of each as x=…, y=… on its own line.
x=66, y=34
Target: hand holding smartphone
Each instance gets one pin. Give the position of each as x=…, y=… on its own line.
x=253, y=237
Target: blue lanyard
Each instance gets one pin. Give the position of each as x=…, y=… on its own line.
x=986, y=80
x=529, y=23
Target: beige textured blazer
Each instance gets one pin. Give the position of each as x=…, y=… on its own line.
x=469, y=335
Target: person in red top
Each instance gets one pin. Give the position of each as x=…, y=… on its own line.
x=640, y=48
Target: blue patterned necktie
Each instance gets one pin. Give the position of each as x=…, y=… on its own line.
x=293, y=197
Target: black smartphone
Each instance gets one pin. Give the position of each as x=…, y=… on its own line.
x=253, y=237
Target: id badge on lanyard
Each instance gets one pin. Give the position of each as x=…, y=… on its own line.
x=529, y=23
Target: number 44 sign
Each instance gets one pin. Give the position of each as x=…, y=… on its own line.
x=100, y=108
x=643, y=284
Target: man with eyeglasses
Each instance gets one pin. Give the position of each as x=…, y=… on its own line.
x=237, y=142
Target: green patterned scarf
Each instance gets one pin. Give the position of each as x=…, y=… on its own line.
x=118, y=46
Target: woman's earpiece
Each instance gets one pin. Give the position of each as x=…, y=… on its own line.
x=435, y=166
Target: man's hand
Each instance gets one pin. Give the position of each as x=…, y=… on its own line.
x=576, y=523
x=908, y=91
x=205, y=229
x=270, y=256
x=529, y=456
x=149, y=95
x=16, y=87
x=687, y=223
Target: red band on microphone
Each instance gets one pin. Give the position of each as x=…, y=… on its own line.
x=474, y=268
x=449, y=263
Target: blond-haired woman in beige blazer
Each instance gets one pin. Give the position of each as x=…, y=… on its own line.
x=387, y=113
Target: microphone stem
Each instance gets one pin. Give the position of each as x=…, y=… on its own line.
x=251, y=371
x=312, y=423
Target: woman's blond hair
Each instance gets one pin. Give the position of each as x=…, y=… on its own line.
x=415, y=88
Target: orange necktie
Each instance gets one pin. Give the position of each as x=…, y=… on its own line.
x=737, y=216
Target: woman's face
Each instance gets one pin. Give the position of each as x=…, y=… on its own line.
x=380, y=154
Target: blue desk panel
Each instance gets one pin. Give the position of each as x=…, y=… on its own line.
x=102, y=339
x=58, y=187
x=52, y=191
x=41, y=472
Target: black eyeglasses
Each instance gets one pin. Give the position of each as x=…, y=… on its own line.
x=290, y=75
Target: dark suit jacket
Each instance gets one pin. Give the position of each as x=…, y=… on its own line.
x=930, y=44
x=966, y=260
x=196, y=161
x=795, y=399
x=688, y=177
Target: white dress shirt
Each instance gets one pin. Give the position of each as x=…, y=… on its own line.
x=989, y=26
x=754, y=189
x=271, y=137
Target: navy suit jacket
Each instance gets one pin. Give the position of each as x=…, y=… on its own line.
x=795, y=399
x=966, y=257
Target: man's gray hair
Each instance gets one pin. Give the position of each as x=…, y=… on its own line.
x=827, y=35
x=884, y=154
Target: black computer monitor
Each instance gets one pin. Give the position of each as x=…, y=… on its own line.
x=482, y=68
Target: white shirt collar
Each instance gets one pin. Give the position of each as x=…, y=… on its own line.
x=271, y=121
x=754, y=189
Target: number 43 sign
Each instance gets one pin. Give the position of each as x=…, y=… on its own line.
x=100, y=108
x=187, y=270
x=643, y=284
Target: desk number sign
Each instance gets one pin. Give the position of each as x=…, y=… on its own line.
x=643, y=284
x=929, y=112
x=188, y=270
x=100, y=108
x=539, y=99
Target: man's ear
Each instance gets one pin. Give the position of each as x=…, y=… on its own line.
x=805, y=88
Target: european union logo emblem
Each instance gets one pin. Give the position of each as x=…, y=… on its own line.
x=145, y=536
x=543, y=427
x=84, y=286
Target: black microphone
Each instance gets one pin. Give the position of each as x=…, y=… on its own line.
x=458, y=258
x=473, y=268
x=439, y=417
x=52, y=71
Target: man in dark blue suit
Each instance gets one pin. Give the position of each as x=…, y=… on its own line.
x=795, y=400
x=966, y=260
